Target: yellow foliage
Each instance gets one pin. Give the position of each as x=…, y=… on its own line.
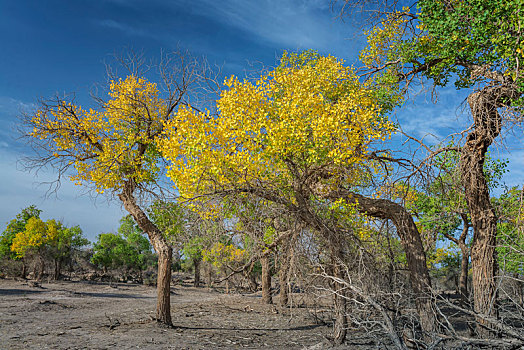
x=35, y=235
x=109, y=146
x=311, y=111
x=221, y=254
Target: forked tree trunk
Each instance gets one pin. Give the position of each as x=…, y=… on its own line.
x=163, y=249
x=266, y=279
x=196, y=265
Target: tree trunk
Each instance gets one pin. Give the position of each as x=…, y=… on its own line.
x=266, y=280
x=284, y=287
x=464, y=267
x=42, y=268
x=163, y=249
x=251, y=278
x=285, y=266
x=163, y=306
x=196, y=265
x=35, y=269
x=58, y=265
x=340, y=327
x=487, y=122
x=283, y=274
x=24, y=269
x=518, y=288
x=209, y=275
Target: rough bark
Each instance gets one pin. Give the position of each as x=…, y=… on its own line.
x=163, y=249
x=163, y=306
x=266, y=280
x=196, y=265
x=487, y=126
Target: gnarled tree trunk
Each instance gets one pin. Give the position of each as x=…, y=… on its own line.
x=464, y=263
x=487, y=122
x=163, y=249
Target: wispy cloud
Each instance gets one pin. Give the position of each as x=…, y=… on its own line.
x=291, y=24
x=10, y=109
x=125, y=28
x=436, y=120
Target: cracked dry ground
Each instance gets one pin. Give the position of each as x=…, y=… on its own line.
x=81, y=315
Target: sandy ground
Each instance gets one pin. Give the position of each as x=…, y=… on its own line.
x=82, y=315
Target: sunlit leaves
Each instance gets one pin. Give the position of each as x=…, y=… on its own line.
x=110, y=146
x=311, y=111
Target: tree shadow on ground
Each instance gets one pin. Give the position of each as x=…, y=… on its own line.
x=15, y=291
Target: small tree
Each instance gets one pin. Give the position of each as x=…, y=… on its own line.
x=14, y=227
x=32, y=241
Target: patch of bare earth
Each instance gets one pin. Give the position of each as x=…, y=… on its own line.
x=81, y=315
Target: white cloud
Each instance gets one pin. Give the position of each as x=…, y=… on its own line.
x=13, y=107
x=292, y=24
x=127, y=29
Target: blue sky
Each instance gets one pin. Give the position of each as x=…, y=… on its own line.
x=52, y=46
